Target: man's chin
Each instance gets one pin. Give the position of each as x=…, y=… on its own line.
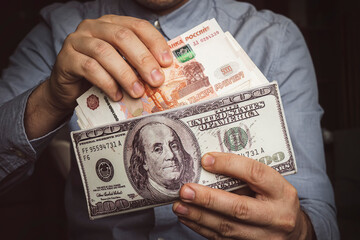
x=159, y=5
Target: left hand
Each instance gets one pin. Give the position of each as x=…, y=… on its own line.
x=272, y=211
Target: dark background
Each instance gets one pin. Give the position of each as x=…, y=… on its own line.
x=34, y=210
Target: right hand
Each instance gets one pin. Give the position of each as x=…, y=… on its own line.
x=94, y=53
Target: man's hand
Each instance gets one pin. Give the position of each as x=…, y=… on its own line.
x=94, y=54
x=272, y=211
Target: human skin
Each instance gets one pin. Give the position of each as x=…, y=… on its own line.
x=163, y=155
x=90, y=55
x=267, y=209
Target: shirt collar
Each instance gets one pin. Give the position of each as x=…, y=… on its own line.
x=133, y=9
x=186, y=17
x=175, y=23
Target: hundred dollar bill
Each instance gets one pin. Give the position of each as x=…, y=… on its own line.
x=206, y=63
x=142, y=162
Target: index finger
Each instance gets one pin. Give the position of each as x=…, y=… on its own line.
x=259, y=177
x=244, y=208
x=148, y=34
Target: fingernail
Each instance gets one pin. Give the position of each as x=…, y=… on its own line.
x=166, y=57
x=118, y=95
x=157, y=76
x=138, y=88
x=181, y=209
x=208, y=160
x=188, y=194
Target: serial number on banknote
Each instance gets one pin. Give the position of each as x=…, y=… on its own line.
x=100, y=147
x=252, y=153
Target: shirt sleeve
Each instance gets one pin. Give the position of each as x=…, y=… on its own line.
x=294, y=71
x=29, y=65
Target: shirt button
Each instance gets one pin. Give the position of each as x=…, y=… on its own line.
x=19, y=153
x=157, y=24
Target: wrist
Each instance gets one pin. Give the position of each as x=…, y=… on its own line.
x=53, y=102
x=42, y=115
x=307, y=230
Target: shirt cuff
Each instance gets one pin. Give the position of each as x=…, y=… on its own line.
x=15, y=148
x=323, y=219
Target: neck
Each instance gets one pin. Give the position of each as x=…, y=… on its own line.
x=171, y=9
x=161, y=8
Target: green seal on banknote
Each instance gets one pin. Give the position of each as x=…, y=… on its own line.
x=235, y=139
x=184, y=53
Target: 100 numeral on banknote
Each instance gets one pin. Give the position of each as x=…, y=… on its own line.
x=143, y=162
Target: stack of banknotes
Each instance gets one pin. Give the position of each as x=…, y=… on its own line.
x=207, y=63
x=137, y=153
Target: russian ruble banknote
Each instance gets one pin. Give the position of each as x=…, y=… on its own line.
x=142, y=162
x=207, y=63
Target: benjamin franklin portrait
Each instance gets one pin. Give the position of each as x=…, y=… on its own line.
x=160, y=163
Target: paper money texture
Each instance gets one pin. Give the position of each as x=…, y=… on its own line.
x=142, y=162
x=207, y=63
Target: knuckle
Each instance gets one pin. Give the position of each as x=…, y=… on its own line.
x=292, y=193
x=90, y=65
x=289, y=225
x=109, y=87
x=65, y=53
x=84, y=23
x=140, y=24
x=208, y=200
x=199, y=217
x=225, y=228
x=107, y=17
x=197, y=228
x=240, y=210
x=160, y=39
x=127, y=77
x=257, y=172
x=145, y=58
x=122, y=34
x=158, y=44
x=230, y=161
x=101, y=49
x=69, y=38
